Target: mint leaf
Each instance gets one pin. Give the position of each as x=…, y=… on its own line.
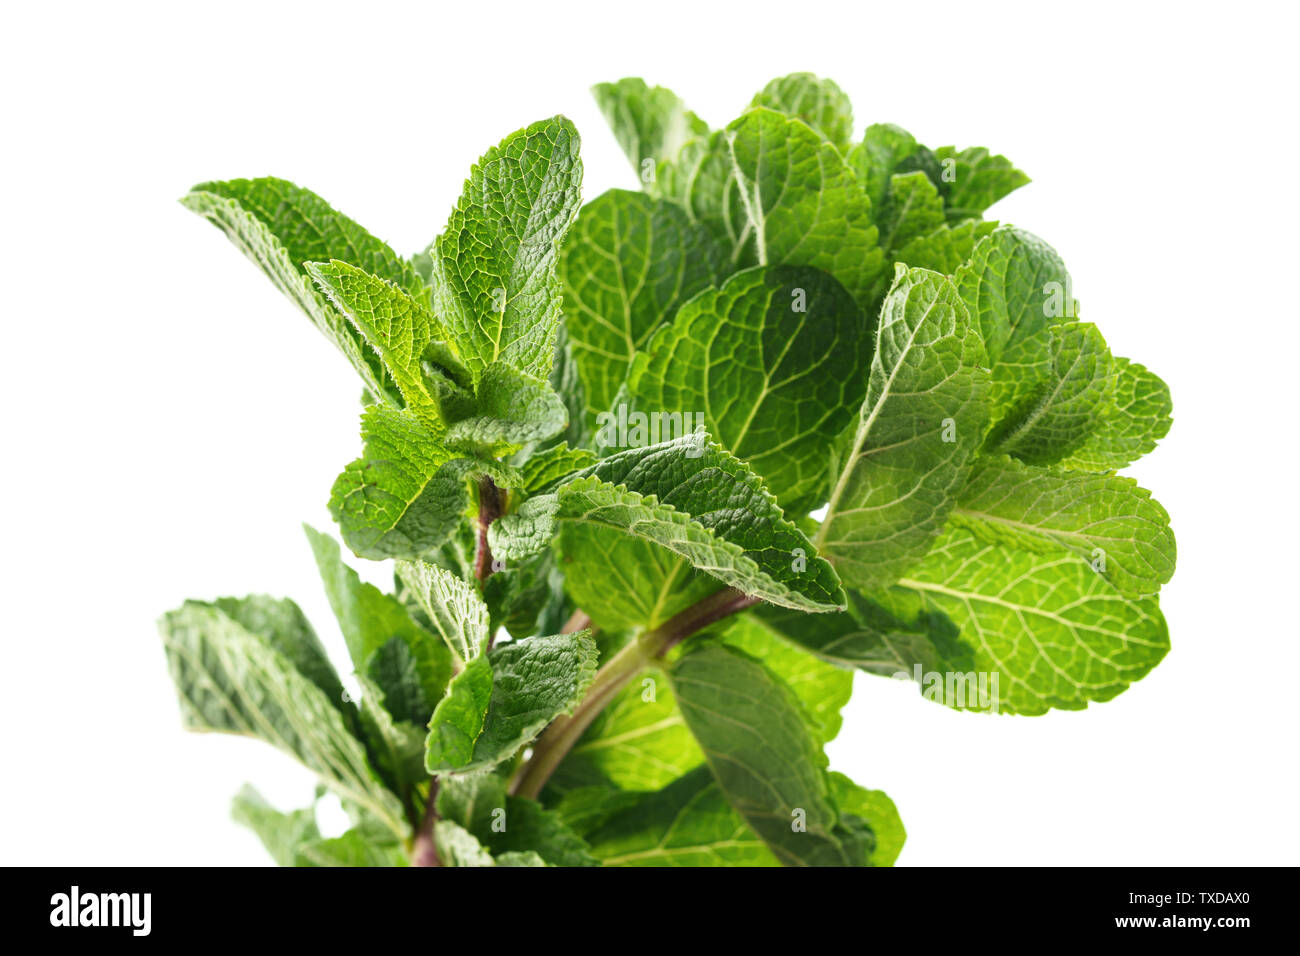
x=877, y=811
x=397, y=326
x=819, y=103
x=1056, y=417
x=509, y=825
x=547, y=467
x=947, y=248
x=698, y=502
x=1108, y=521
x=1052, y=629
x=281, y=833
x=280, y=226
x=513, y=409
x=976, y=180
x=650, y=123
x=627, y=264
x=805, y=207
x=767, y=763
x=923, y=416
x=407, y=493
x=687, y=823
x=231, y=680
x=702, y=179
x=370, y=621
x=502, y=701
x=453, y=607
x=912, y=210
x=457, y=846
x=1128, y=429
x=493, y=277
x=773, y=363
x=883, y=147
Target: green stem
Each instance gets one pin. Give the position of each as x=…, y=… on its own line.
x=423, y=851
x=554, y=745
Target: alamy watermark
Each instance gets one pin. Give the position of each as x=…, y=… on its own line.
x=968, y=690
x=627, y=429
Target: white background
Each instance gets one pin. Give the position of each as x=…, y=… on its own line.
x=170, y=418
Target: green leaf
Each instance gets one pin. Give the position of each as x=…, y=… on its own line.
x=356, y=847
x=702, y=180
x=406, y=494
x=493, y=279
x=509, y=825
x=1128, y=429
x=280, y=226
x=687, y=823
x=453, y=607
x=370, y=620
x=457, y=847
x=281, y=833
x=819, y=103
x=695, y=500
x=947, y=248
x=282, y=625
x=1056, y=417
x=649, y=122
x=396, y=745
x=627, y=264
x=1053, y=630
x=773, y=362
x=976, y=180
x=804, y=204
x=765, y=759
x=513, y=409
x=398, y=327
x=565, y=380
x=547, y=467
x=1016, y=287
x=912, y=210
x=507, y=699
x=924, y=415
x=879, y=813
x=231, y=680
x=1109, y=521
x=883, y=147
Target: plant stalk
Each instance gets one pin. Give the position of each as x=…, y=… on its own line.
x=554, y=745
x=423, y=851
x=491, y=505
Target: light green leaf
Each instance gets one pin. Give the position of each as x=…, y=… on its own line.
x=453, y=607
x=912, y=210
x=398, y=327
x=773, y=363
x=545, y=468
x=947, y=248
x=1053, y=630
x=695, y=500
x=407, y=493
x=702, y=180
x=687, y=823
x=649, y=122
x=280, y=226
x=1108, y=521
x=231, y=680
x=493, y=276
x=924, y=415
x=819, y=103
x=804, y=204
x=357, y=847
x=976, y=180
x=281, y=833
x=1128, y=429
x=396, y=745
x=282, y=625
x=457, y=847
x=877, y=811
x=626, y=265
x=1016, y=287
x=370, y=620
x=765, y=759
x=508, y=699
x=1056, y=417
x=513, y=409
